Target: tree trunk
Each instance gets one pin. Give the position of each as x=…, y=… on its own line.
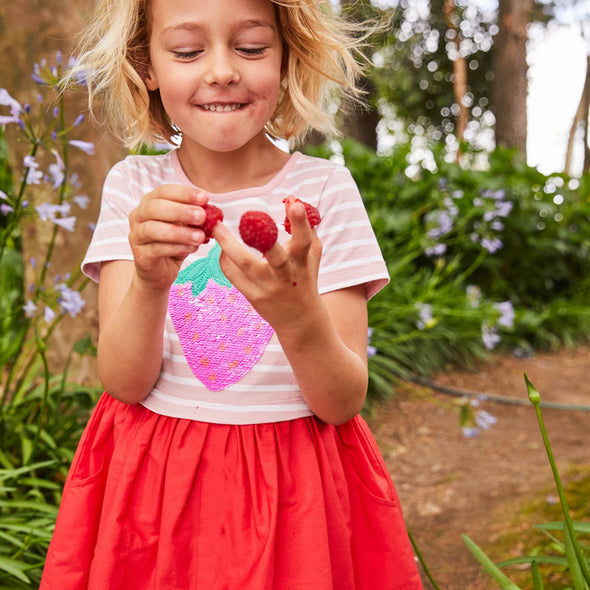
x=580, y=118
x=459, y=72
x=510, y=73
x=360, y=122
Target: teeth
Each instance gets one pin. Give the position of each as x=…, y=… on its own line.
x=220, y=108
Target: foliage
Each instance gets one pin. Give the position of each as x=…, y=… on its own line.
x=415, y=66
x=41, y=414
x=496, y=250
x=571, y=553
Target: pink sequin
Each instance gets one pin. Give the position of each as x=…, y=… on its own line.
x=221, y=334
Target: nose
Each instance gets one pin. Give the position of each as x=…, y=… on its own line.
x=221, y=68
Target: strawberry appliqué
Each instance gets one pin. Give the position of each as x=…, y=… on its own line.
x=221, y=334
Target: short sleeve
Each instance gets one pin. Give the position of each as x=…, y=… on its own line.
x=110, y=240
x=351, y=254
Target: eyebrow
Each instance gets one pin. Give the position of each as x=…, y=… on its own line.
x=239, y=26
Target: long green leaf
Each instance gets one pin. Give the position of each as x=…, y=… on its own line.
x=12, y=473
x=574, y=564
x=15, y=568
x=489, y=566
x=537, y=580
x=546, y=559
x=579, y=527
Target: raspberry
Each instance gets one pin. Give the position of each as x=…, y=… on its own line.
x=214, y=214
x=313, y=215
x=258, y=230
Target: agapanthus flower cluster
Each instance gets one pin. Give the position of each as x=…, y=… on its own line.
x=46, y=192
x=496, y=208
x=474, y=419
x=483, y=215
x=425, y=318
x=440, y=223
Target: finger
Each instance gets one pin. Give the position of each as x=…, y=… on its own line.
x=301, y=232
x=162, y=209
x=158, y=231
x=180, y=193
x=231, y=246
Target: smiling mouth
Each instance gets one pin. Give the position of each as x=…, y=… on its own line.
x=221, y=108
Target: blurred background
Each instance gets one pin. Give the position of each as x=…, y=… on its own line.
x=473, y=160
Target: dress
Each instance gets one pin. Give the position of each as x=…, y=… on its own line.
x=222, y=478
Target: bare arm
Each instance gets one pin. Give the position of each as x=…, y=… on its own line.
x=133, y=296
x=324, y=337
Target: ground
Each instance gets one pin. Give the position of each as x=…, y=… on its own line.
x=449, y=484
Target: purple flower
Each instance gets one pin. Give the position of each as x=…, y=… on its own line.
x=485, y=420
x=489, y=336
x=29, y=308
x=506, y=310
x=79, y=119
x=15, y=108
x=491, y=245
x=48, y=314
x=85, y=146
x=371, y=350
x=503, y=208
x=70, y=300
x=470, y=431
x=425, y=312
x=68, y=223
x=6, y=209
x=46, y=211
x=34, y=175
x=56, y=170
x=82, y=201
x=3, y=196
x=436, y=250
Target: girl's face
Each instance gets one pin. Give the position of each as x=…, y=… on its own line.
x=217, y=64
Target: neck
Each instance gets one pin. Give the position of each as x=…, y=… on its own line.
x=221, y=172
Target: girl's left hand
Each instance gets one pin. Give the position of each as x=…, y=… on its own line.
x=282, y=285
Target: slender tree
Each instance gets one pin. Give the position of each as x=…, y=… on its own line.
x=459, y=70
x=510, y=73
x=580, y=120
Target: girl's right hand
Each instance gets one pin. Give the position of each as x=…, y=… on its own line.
x=163, y=232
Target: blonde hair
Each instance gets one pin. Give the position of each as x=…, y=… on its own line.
x=322, y=52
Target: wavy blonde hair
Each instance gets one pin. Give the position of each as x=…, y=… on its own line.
x=322, y=56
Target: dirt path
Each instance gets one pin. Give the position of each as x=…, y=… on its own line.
x=449, y=484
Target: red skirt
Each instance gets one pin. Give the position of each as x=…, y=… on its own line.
x=157, y=503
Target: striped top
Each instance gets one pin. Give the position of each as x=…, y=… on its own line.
x=222, y=362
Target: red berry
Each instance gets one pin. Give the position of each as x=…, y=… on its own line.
x=258, y=230
x=313, y=215
x=214, y=214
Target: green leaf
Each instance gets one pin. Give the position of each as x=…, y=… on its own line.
x=489, y=566
x=574, y=564
x=537, y=580
x=15, y=568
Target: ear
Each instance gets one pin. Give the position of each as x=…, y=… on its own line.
x=150, y=79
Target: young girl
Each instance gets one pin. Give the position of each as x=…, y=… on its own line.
x=228, y=452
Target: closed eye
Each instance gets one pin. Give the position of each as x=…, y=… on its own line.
x=251, y=51
x=186, y=55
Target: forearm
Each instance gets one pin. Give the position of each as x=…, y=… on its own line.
x=332, y=377
x=130, y=344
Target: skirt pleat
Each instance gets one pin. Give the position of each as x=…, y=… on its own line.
x=159, y=503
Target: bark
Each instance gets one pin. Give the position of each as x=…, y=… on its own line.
x=360, y=122
x=459, y=73
x=580, y=118
x=510, y=73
